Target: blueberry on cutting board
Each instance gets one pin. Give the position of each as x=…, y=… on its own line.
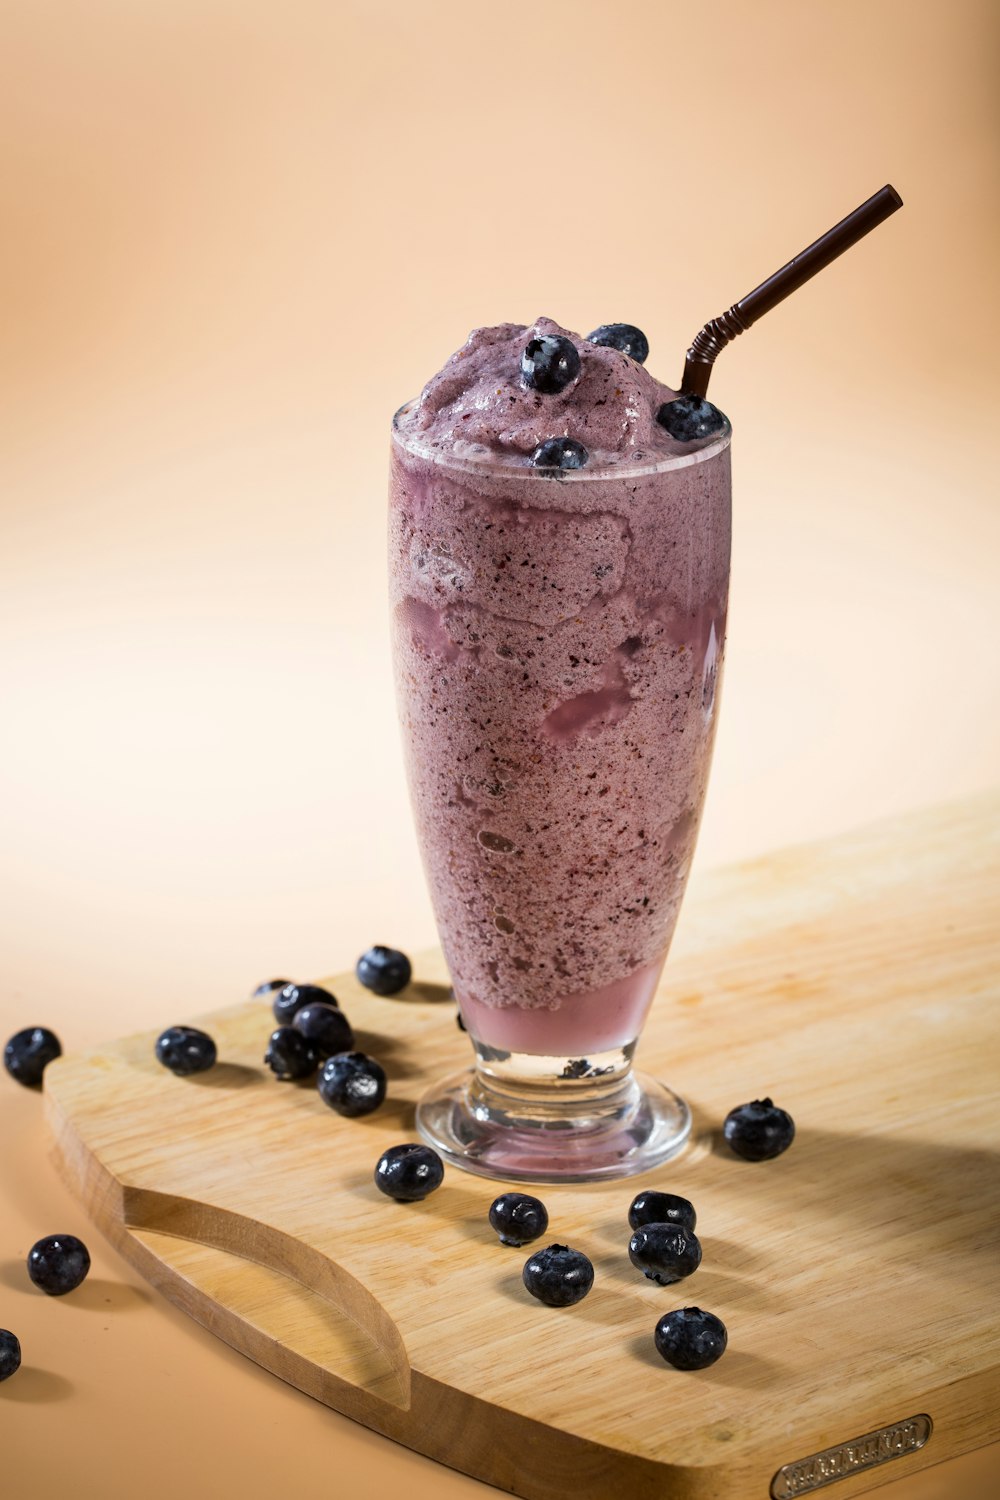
x=290, y=1055
x=759, y=1131
x=384, y=971
x=292, y=998
x=325, y=1026
x=266, y=990
x=408, y=1172
x=665, y=1252
x=185, y=1050
x=652, y=1207
x=690, y=1339
x=558, y=1276
x=352, y=1083
x=518, y=1218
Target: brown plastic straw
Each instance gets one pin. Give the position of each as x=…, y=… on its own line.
x=716, y=334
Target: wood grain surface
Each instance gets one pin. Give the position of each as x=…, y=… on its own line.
x=853, y=981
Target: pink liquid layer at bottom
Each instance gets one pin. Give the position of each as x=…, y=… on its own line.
x=594, y=1021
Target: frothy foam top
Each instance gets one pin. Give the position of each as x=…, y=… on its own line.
x=481, y=408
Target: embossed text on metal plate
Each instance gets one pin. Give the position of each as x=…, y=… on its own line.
x=853, y=1457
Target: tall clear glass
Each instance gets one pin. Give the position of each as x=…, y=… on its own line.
x=557, y=646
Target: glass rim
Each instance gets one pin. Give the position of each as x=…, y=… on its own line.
x=490, y=464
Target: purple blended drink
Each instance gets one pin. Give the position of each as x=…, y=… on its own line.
x=559, y=564
x=559, y=559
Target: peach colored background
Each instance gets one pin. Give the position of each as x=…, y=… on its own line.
x=234, y=237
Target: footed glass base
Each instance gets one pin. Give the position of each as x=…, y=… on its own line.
x=531, y=1119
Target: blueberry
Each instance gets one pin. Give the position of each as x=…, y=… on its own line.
x=384, y=971
x=652, y=1207
x=291, y=998
x=624, y=336
x=325, y=1026
x=558, y=1276
x=29, y=1052
x=665, y=1252
x=352, y=1083
x=691, y=417
x=264, y=991
x=409, y=1172
x=759, y=1130
x=10, y=1354
x=290, y=1055
x=58, y=1263
x=518, y=1218
x=690, y=1339
x=185, y=1050
x=560, y=453
x=459, y=1022
x=549, y=363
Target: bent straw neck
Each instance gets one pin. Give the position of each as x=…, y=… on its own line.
x=718, y=332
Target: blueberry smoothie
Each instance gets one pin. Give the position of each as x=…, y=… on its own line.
x=559, y=564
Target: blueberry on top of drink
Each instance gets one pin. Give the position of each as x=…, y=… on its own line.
x=549, y=363
x=624, y=337
x=560, y=453
x=690, y=418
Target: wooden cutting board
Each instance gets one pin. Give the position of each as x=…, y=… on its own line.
x=853, y=981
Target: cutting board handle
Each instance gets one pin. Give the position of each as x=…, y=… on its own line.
x=303, y=1307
